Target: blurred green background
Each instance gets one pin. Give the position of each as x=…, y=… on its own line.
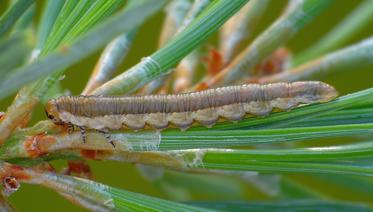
x=126, y=176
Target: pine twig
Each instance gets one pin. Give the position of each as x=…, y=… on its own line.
x=284, y=28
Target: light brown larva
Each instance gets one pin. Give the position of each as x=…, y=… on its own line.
x=181, y=110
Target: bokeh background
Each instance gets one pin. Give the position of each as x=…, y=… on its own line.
x=126, y=176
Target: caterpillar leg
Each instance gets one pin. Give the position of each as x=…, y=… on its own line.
x=83, y=133
x=70, y=128
x=107, y=136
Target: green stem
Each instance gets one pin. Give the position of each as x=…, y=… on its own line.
x=298, y=114
x=29, y=96
x=357, y=20
x=346, y=59
x=89, y=43
x=110, y=59
x=165, y=58
x=48, y=18
x=234, y=138
x=284, y=29
x=11, y=16
x=241, y=26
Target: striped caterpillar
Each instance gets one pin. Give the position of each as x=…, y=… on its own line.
x=181, y=110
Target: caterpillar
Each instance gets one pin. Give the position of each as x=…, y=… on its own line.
x=182, y=110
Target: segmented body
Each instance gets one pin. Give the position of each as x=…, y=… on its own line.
x=182, y=110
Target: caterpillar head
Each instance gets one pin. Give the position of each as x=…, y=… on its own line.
x=52, y=111
x=314, y=91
